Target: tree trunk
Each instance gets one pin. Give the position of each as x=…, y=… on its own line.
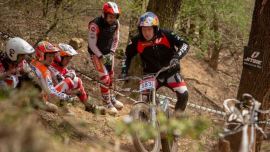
x=135, y=66
x=217, y=47
x=45, y=8
x=256, y=81
x=166, y=10
x=134, y=17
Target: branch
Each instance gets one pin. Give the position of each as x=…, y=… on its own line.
x=212, y=103
x=47, y=32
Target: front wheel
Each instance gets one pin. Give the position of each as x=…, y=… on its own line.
x=141, y=113
x=169, y=143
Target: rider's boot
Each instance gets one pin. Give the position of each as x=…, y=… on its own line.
x=111, y=110
x=116, y=103
x=181, y=104
x=91, y=107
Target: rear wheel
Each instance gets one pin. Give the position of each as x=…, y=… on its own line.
x=141, y=113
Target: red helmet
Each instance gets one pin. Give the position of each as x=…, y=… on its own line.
x=45, y=47
x=111, y=8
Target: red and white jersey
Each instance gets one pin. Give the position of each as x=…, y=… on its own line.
x=60, y=73
x=9, y=73
x=102, y=37
x=46, y=82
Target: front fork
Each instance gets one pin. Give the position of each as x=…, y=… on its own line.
x=153, y=108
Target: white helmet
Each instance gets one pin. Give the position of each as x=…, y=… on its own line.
x=16, y=46
x=66, y=50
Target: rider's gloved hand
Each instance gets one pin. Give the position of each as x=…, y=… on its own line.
x=174, y=62
x=107, y=59
x=71, y=74
x=26, y=68
x=174, y=65
x=71, y=99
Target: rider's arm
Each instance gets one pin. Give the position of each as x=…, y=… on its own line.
x=131, y=51
x=56, y=75
x=92, y=39
x=11, y=72
x=181, y=46
x=44, y=80
x=116, y=38
x=53, y=92
x=70, y=73
x=3, y=73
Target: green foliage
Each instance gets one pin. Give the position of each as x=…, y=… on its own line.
x=185, y=126
x=198, y=18
x=134, y=7
x=3, y=94
x=21, y=128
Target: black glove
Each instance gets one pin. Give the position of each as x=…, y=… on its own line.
x=59, y=78
x=174, y=62
x=174, y=65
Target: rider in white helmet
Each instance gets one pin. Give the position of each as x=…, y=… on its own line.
x=60, y=72
x=13, y=62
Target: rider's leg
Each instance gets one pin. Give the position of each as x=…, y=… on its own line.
x=110, y=68
x=176, y=83
x=65, y=85
x=68, y=85
x=116, y=103
x=78, y=85
x=89, y=106
x=105, y=79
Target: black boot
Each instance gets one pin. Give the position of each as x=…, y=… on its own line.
x=181, y=103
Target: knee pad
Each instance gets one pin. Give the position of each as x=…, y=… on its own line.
x=105, y=80
x=181, y=88
x=182, y=99
x=77, y=83
x=69, y=83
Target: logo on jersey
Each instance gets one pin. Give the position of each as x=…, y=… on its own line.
x=93, y=28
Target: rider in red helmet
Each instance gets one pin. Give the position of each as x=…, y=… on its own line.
x=102, y=43
x=45, y=54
